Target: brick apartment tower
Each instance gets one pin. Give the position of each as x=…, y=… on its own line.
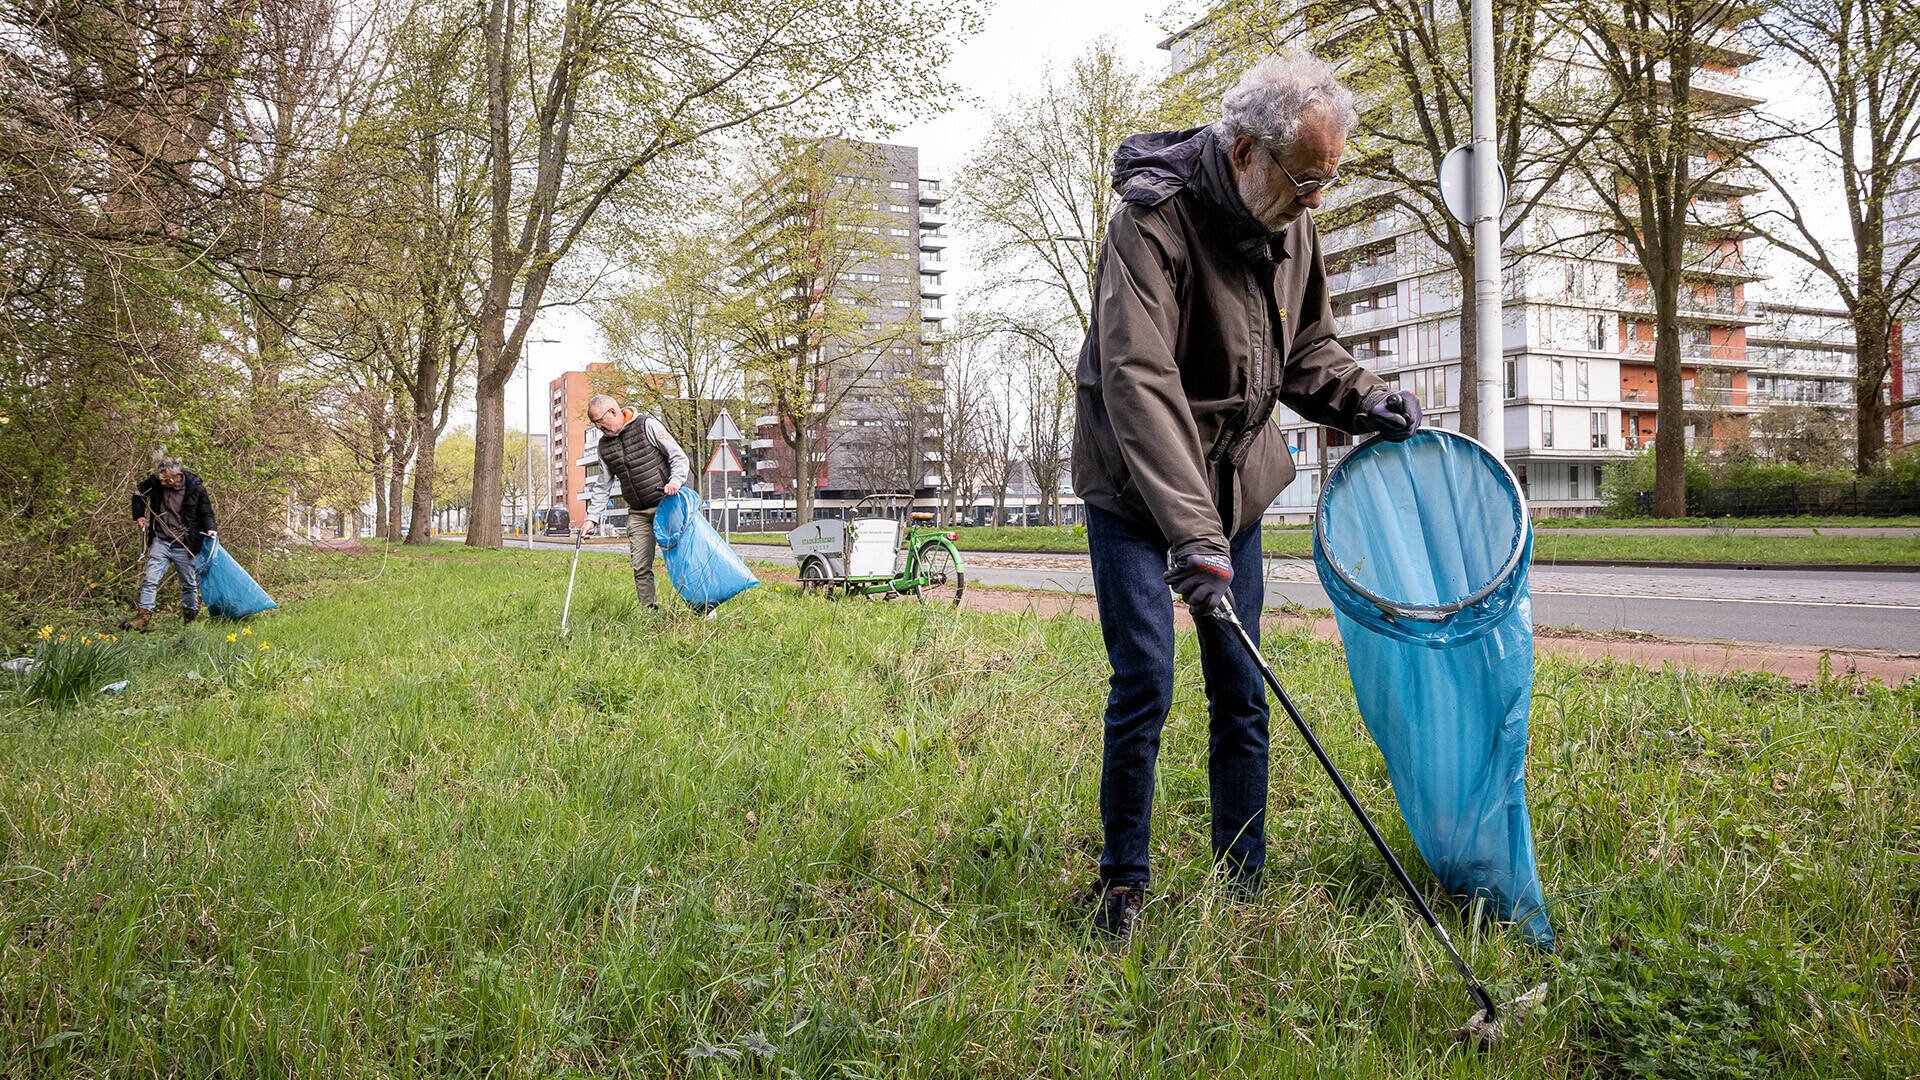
x=567, y=434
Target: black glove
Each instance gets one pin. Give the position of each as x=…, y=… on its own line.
x=1202, y=580
x=1396, y=417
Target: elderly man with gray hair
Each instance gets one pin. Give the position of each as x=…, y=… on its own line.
x=637, y=451
x=1210, y=310
x=176, y=517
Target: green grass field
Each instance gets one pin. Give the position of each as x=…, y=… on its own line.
x=418, y=835
x=1549, y=546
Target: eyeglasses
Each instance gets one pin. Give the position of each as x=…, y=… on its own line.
x=1302, y=188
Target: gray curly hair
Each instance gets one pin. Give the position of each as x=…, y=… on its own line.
x=170, y=464
x=1273, y=100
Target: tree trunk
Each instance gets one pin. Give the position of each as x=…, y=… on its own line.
x=489, y=439
x=396, y=494
x=1870, y=380
x=380, y=514
x=1469, y=349
x=1670, y=436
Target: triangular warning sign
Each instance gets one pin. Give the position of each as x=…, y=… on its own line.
x=724, y=460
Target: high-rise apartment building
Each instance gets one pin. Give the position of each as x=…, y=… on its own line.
x=883, y=431
x=566, y=479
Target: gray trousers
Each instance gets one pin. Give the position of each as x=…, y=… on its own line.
x=640, y=545
x=164, y=553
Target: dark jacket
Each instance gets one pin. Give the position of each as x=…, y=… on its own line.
x=196, y=510
x=644, y=458
x=1202, y=322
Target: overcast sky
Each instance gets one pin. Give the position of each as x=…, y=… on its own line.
x=1020, y=38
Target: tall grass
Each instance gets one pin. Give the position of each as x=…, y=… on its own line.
x=431, y=838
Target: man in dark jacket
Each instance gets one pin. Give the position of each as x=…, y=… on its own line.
x=1210, y=309
x=637, y=451
x=176, y=518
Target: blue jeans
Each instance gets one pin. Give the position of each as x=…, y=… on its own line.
x=1136, y=621
x=159, y=556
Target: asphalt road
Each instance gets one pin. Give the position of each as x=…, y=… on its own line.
x=1858, y=609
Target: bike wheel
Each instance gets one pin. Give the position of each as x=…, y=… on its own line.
x=940, y=568
x=814, y=579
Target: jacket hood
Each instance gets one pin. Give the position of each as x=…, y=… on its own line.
x=1150, y=168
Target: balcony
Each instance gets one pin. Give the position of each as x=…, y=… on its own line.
x=1696, y=353
x=1721, y=221
x=932, y=289
x=933, y=239
x=1719, y=398
x=930, y=192
x=1715, y=309
x=1719, y=178
x=1704, y=261
x=932, y=263
x=1362, y=276
x=1361, y=322
x=933, y=218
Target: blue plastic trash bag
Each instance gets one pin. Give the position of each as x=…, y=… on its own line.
x=1424, y=548
x=704, y=570
x=225, y=587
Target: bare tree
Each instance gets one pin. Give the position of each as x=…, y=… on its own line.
x=1861, y=61
x=589, y=99
x=670, y=336
x=1656, y=148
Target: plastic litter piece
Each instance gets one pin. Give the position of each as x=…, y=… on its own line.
x=20, y=665
x=703, y=569
x=1424, y=547
x=114, y=687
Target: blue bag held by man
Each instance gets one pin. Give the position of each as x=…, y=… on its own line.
x=704, y=570
x=1424, y=547
x=225, y=587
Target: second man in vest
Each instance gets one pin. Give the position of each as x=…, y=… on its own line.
x=637, y=451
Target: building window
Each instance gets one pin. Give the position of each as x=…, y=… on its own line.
x=899, y=232
x=1559, y=379
x=1599, y=429
x=899, y=185
x=1580, y=379
x=1510, y=379
x=1546, y=428
x=1597, y=336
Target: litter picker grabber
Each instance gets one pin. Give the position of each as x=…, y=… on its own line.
x=1484, y=1027
x=567, y=608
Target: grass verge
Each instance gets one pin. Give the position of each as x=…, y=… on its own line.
x=420, y=835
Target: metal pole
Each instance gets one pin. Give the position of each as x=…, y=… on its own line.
x=526, y=361
x=1491, y=346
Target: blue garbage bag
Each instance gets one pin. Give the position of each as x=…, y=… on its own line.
x=225, y=586
x=1424, y=548
x=704, y=570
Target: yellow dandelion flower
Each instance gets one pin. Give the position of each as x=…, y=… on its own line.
x=247, y=630
x=63, y=639
x=46, y=632
x=83, y=639
x=233, y=637
x=264, y=646
x=92, y=585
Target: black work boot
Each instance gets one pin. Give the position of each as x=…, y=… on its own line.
x=1117, y=913
x=187, y=615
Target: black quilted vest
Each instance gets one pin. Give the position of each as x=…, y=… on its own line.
x=640, y=466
